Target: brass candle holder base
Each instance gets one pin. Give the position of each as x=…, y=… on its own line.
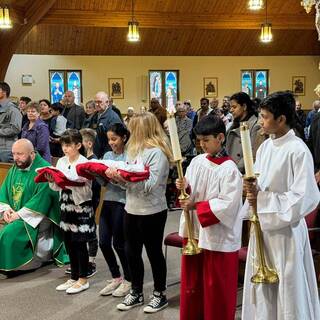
x=191, y=248
x=264, y=274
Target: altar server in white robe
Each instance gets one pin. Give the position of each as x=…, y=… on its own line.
x=285, y=193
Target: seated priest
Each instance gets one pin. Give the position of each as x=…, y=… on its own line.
x=30, y=235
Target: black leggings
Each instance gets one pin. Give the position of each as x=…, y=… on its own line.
x=111, y=233
x=146, y=230
x=78, y=254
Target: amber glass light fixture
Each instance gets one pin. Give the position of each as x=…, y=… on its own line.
x=5, y=21
x=133, y=27
x=255, y=4
x=266, y=30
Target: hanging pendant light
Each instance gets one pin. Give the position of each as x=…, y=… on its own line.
x=266, y=30
x=308, y=4
x=133, y=27
x=5, y=21
x=255, y=4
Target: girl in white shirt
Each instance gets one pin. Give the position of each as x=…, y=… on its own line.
x=77, y=215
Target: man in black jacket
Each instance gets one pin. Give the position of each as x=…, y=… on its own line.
x=73, y=113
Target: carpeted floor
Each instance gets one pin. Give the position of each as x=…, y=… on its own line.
x=33, y=296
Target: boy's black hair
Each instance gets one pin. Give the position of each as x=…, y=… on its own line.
x=57, y=106
x=210, y=125
x=72, y=136
x=6, y=88
x=120, y=130
x=281, y=103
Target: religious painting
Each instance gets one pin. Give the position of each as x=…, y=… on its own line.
x=56, y=78
x=261, y=84
x=171, y=85
x=116, y=88
x=155, y=84
x=210, y=87
x=247, y=82
x=164, y=86
x=74, y=82
x=298, y=85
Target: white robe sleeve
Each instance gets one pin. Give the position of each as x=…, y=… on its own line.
x=278, y=210
x=30, y=217
x=226, y=206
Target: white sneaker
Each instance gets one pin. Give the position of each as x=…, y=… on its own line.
x=66, y=285
x=78, y=287
x=111, y=286
x=123, y=289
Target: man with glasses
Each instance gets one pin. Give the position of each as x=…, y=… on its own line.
x=106, y=118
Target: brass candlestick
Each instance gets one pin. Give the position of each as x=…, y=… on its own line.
x=264, y=274
x=191, y=248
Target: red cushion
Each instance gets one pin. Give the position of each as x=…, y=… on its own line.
x=311, y=222
x=174, y=240
x=243, y=254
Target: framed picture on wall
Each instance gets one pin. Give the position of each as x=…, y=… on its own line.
x=116, y=89
x=298, y=85
x=210, y=87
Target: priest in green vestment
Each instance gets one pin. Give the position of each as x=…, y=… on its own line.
x=31, y=233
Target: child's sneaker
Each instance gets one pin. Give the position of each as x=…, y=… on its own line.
x=131, y=300
x=68, y=271
x=92, y=269
x=123, y=289
x=158, y=302
x=111, y=286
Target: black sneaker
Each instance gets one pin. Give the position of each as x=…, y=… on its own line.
x=131, y=300
x=92, y=269
x=68, y=271
x=158, y=302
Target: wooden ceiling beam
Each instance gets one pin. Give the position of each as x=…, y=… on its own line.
x=34, y=11
x=86, y=18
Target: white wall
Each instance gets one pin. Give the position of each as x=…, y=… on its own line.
x=97, y=69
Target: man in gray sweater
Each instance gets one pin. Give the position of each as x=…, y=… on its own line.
x=10, y=123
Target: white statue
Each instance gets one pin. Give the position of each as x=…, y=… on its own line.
x=318, y=18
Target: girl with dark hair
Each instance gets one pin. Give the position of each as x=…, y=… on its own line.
x=242, y=109
x=77, y=215
x=111, y=235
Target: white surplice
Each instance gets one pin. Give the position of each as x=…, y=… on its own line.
x=288, y=193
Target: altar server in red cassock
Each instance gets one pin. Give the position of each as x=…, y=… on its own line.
x=209, y=279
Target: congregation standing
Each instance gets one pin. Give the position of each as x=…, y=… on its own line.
x=134, y=214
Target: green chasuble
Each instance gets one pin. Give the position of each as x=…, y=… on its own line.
x=18, y=239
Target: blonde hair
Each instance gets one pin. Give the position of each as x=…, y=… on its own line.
x=146, y=132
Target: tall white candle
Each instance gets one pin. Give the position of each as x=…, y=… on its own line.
x=246, y=149
x=173, y=131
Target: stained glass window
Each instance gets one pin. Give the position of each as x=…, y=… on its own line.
x=255, y=83
x=164, y=86
x=65, y=80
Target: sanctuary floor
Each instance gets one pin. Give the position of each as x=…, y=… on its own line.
x=33, y=296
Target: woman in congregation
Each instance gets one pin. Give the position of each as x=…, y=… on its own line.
x=37, y=131
x=242, y=109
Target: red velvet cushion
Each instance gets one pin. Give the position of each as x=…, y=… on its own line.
x=243, y=254
x=174, y=240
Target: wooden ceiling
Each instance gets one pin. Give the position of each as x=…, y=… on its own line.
x=168, y=27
